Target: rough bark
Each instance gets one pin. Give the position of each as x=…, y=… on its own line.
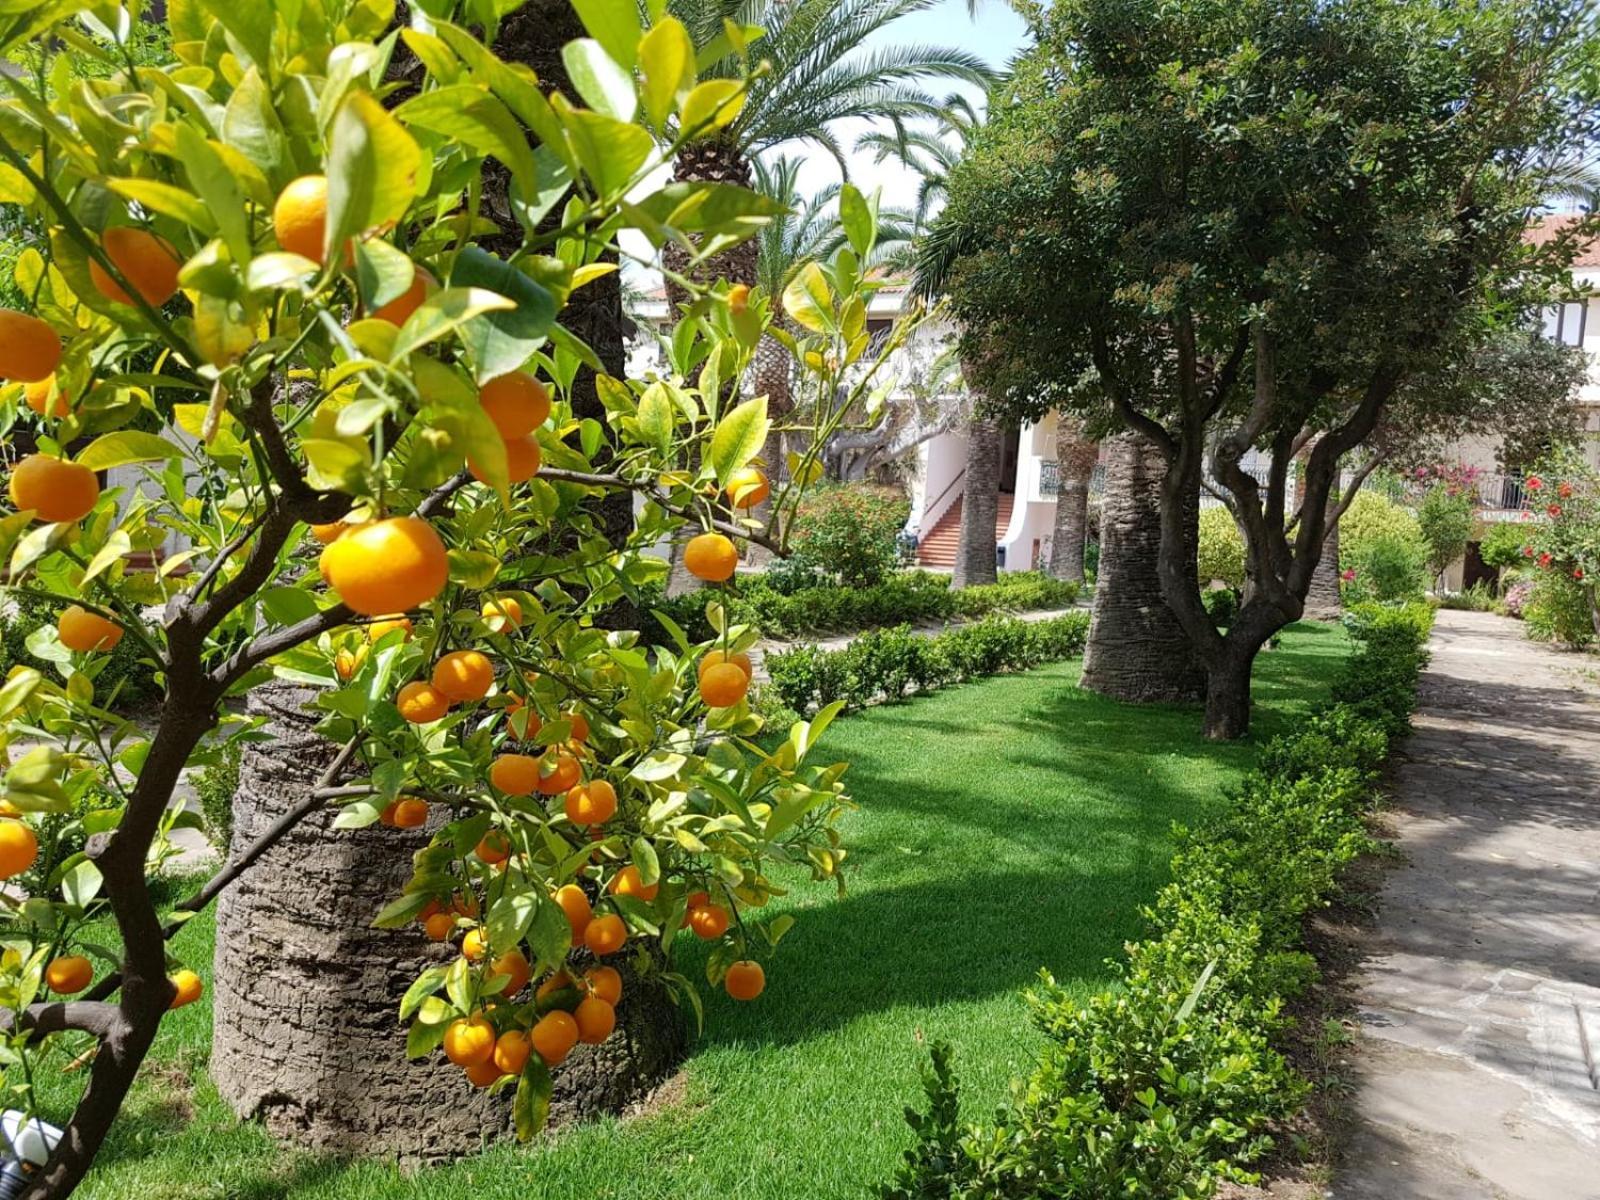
x=980, y=505
x=306, y=1036
x=1137, y=651
x=1075, y=459
x=1323, y=600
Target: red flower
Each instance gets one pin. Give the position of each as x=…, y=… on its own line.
x=1554, y=510
x=1527, y=552
x=1545, y=560
x=1564, y=491
x=1534, y=483
x=1348, y=575
x=1577, y=572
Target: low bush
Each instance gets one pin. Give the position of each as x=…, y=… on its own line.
x=1516, y=598
x=849, y=532
x=1222, y=604
x=1502, y=544
x=1170, y=1083
x=1221, y=552
x=1479, y=597
x=1016, y=591
x=1558, y=610
x=1387, y=569
x=885, y=664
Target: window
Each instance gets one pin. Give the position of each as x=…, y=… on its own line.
x=1568, y=322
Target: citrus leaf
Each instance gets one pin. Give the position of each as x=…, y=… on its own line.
x=739, y=437
x=124, y=447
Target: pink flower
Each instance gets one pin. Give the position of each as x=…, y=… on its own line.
x=1534, y=483
x=1348, y=575
x=1554, y=510
x=1527, y=552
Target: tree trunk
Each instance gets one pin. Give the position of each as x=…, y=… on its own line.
x=770, y=377
x=980, y=505
x=1075, y=459
x=307, y=1039
x=1137, y=651
x=1323, y=601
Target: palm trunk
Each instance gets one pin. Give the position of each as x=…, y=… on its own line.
x=770, y=377
x=980, y=505
x=1075, y=459
x=1137, y=651
x=1323, y=601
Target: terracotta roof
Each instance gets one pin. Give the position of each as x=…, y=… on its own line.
x=1547, y=227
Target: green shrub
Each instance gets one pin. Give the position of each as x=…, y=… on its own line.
x=1016, y=591
x=1558, y=610
x=1222, y=604
x=1371, y=517
x=848, y=532
x=1446, y=517
x=214, y=786
x=1221, y=552
x=1387, y=569
x=1502, y=544
x=1479, y=597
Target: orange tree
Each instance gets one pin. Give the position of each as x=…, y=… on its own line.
x=253, y=277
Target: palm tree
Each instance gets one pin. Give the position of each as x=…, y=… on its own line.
x=930, y=153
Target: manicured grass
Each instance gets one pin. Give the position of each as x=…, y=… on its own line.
x=1005, y=826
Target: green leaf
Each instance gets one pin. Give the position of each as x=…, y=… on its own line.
x=248, y=25
x=611, y=152
x=550, y=934
x=604, y=86
x=858, y=219
x=444, y=312
x=739, y=437
x=218, y=189
x=712, y=105
x=472, y=116
x=81, y=883
x=614, y=24
x=644, y=857
x=372, y=171
x=422, y=1039
x=531, y=1108
x=16, y=690
x=808, y=301
x=277, y=269
x=657, y=417
x=383, y=273
x=124, y=447
x=250, y=125
x=666, y=62
x=429, y=982
x=502, y=341
x=510, y=917
x=117, y=545
x=169, y=201
x=660, y=766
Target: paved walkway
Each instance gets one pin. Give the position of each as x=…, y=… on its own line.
x=1480, y=1010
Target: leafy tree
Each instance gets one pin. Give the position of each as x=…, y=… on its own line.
x=1242, y=230
x=1447, y=516
x=256, y=278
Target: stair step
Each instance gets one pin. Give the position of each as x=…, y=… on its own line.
x=942, y=544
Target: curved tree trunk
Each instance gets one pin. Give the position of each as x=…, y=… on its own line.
x=1137, y=651
x=1323, y=601
x=307, y=1038
x=1075, y=459
x=980, y=505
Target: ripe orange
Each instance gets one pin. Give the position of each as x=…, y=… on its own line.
x=147, y=262
x=579, y=724
x=605, y=934
x=68, y=974
x=709, y=921
x=410, y=813
x=556, y=981
x=439, y=926
x=724, y=685
x=715, y=658
x=593, y=803
x=697, y=899
x=575, y=904
x=515, y=964
x=523, y=460
x=402, y=306
x=387, y=566
x=378, y=628
x=464, y=675
x=493, y=847
x=300, y=217
x=502, y=613
x=57, y=490
x=554, y=1036
x=329, y=533
x=559, y=773
x=85, y=631
x=511, y=1052
x=711, y=557
x=421, y=702
x=628, y=882
x=747, y=487
x=745, y=980
x=484, y=1074
x=469, y=1041
x=46, y=399
x=604, y=982
x=517, y=404
x=515, y=774
x=189, y=986
x=595, y=1019
x=29, y=349
x=475, y=945
x=18, y=848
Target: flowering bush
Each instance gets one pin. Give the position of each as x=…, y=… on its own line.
x=1562, y=544
x=849, y=532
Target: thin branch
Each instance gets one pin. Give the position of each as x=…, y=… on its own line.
x=58, y=1016
x=663, y=497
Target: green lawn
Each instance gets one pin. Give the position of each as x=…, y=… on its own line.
x=1004, y=826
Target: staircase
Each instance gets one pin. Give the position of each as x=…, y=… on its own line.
x=938, y=548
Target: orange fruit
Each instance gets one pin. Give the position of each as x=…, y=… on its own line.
x=410, y=813
x=378, y=628
x=595, y=1020
x=502, y=613
x=465, y=906
x=747, y=487
x=68, y=974
x=46, y=399
x=421, y=702
x=575, y=904
x=83, y=631
x=628, y=882
x=554, y=1036
x=189, y=985
x=493, y=847
x=556, y=981
x=515, y=774
x=512, y=1051
x=475, y=945
x=439, y=926
x=523, y=460
x=57, y=490
x=517, y=404
x=580, y=725
x=387, y=566
x=715, y=658
x=464, y=675
x=469, y=1042
x=592, y=803
x=605, y=934
x=745, y=980
x=402, y=306
x=386, y=817
x=515, y=964
x=329, y=533
x=604, y=982
x=697, y=899
x=711, y=557
x=29, y=349
x=347, y=662
x=300, y=217
x=484, y=1074
x=559, y=773
x=724, y=685
x=19, y=847
x=147, y=262
x=709, y=921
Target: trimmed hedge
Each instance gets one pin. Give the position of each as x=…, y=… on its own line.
x=1168, y=1084
x=887, y=663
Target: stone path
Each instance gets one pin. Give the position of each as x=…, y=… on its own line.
x=1480, y=1010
